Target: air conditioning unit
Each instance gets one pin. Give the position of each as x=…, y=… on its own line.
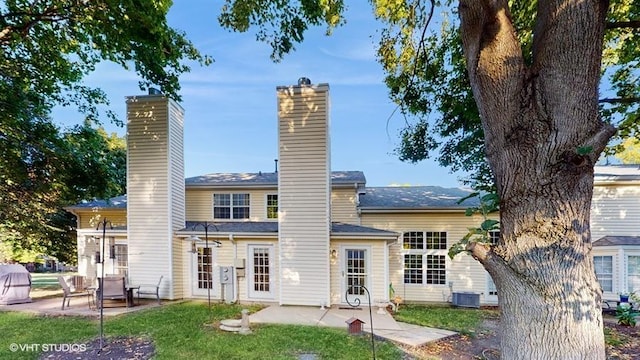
x=466, y=299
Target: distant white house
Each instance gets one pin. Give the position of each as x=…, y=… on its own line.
x=305, y=234
x=615, y=228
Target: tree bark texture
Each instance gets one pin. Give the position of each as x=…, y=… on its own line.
x=543, y=135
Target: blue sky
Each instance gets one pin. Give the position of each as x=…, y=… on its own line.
x=230, y=106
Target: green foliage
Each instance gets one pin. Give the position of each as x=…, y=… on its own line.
x=614, y=338
x=629, y=152
x=489, y=203
x=426, y=71
x=281, y=23
x=626, y=315
x=43, y=170
x=47, y=48
x=584, y=150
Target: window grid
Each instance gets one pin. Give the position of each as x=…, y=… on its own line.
x=356, y=272
x=436, y=240
x=231, y=206
x=604, y=271
x=261, y=274
x=425, y=257
x=494, y=237
x=121, y=259
x=413, y=240
x=633, y=273
x=204, y=268
x=435, y=269
x=412, y=269
x=272, y=206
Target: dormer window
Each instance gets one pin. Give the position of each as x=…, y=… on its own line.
x=230, y=206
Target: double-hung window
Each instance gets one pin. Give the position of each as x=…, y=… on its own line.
x=425, y=257
x=272, y=206
x=121, y=260
x=230, y=206
x=633, y=273
x=604, y=271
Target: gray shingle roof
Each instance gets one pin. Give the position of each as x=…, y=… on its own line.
x=266, y=179
x=617, y=241
x=272, y=227
x=415, y=197
x=118, y=202
x=617, y=172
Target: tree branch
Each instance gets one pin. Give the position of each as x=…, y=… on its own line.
x=51, y=14
x=479, y=251
x=495, y=65
x=630, y=100
x=599, y=140
x=633, y=24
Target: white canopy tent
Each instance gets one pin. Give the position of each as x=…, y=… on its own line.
x=15, y=284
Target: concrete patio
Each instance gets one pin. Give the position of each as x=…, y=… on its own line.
x=79, y=306
x=384, y=325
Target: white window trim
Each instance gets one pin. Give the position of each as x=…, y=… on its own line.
x=231, y=207
x=266, y=206
x=252, y=294
x=424, y=252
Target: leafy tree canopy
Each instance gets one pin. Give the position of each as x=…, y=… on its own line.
x=630, y=153
x=426, y=73
x=42, y=170
x=47, y=47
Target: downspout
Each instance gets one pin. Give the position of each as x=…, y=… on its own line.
x=236, y=290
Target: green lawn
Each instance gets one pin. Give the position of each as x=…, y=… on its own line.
x=46, y=280
x=178, y=333
x=462, y=320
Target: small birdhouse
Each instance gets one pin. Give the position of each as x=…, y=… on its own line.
x=354, y=326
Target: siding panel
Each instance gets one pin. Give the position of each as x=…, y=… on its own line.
x=304, y=195
x=463, y=271
x=615, y=210
x=155, y=184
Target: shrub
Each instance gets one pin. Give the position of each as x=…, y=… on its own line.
x=626, y=315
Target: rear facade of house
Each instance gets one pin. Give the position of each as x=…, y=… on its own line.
x=303, y=234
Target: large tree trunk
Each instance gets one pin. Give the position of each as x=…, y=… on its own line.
x=543, y=136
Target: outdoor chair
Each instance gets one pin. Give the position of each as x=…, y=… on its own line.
x=111, y=288
x=68, y=293
x=150, y=289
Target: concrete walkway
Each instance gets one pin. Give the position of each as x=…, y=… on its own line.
x=384, y=325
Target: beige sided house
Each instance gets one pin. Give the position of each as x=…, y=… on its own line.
x=302, y=235
x=615, y=229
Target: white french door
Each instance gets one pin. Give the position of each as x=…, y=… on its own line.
x=202, y=272
x=261, y=272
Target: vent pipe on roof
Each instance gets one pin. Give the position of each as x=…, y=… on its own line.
x=304, y=81
x=276, y=161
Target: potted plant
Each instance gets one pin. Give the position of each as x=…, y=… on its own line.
x=624, y=297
